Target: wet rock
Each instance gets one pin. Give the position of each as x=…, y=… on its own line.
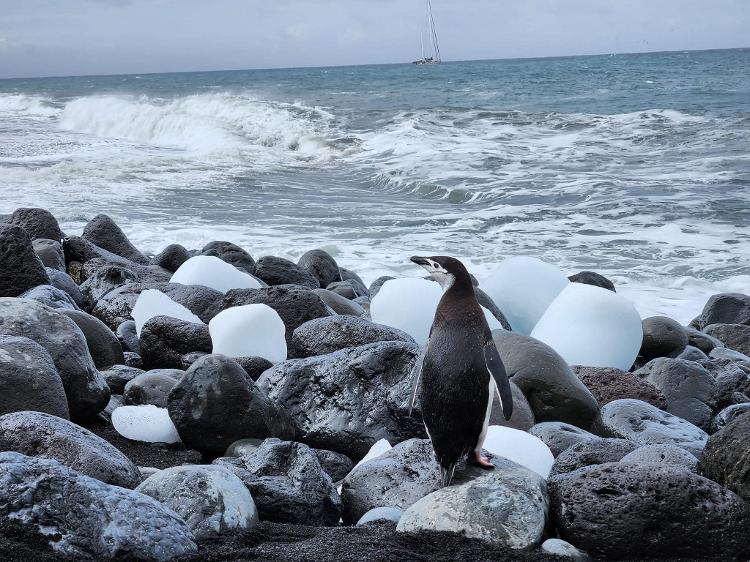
x=171, y=257
x=595, y=451
x=399, y=478
x=102, y=231
x=50, y=296
x=278, y=271
x=103, y=345
x=726, y=308
x=730, y=378
x=104, y=279
x=216, y=403
x=37, y=434
x=253, y=366
x=127, y=333
x=608, y=384
x=350, y=289
x=89, y=516
x=662, y=336
x=65, y=283
x=734, y=336
x=690, y=353
x=29, y=379
x=646, y=425
x=133, y=360
x=50, y=253
x=522, y=417
x=326, y=335
x=558, y=436
x=243, y=447
x=593, y=278
x=662, y=455
x=38, y=223
x=728, y=415
x=626, y=511
x=335, y=464
x=288, y=483
x=152, y=387
x=688, y=388
x=506, y=506
x=118, y=376
x=211, y=499
x=230, y=253
x=348, y=400
x=726, y=458
x=322, y=266
x=339, y=304
x=86, y=390
x=294, y=304
x=730, y=354
x=20, y=268
x=115, y=307
x=558, y=547
x=164, y=340
x=702, y=341
x=553, y=391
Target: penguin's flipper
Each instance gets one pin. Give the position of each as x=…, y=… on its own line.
x=497, y=371
x=416, y=374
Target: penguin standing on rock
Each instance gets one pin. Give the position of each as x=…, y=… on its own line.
x=460, y=372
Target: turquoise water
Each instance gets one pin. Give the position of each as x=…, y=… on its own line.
x=635, y=165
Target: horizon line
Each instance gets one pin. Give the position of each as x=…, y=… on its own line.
x=311, y=67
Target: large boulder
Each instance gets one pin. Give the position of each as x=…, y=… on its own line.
x=115, y=307
x=726, y=308
x=629, y=511
x=662, y=336
x=102, y=231
x=594, y=451
x=348, y=400
x=104, y=347
x=506, y=507
x=87, y=516
x=211, y=499
x=553, y=391
x=50, y=296
x=688, y=388
x=294, y=304
x=322, y=266
x=164, y=340
x=38, y=223
x=734, y=336
x=86, y=390
x=333, y=333
x=726, y=458
x=29, y=379
x=216, y=403
x=646, y=425
x=398, y=478
x=36, y=434
x=608, y=384
x=279, y=271
x=288, y=483
x=20, y=268
x=558, y=436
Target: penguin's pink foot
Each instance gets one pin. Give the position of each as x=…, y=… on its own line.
x=480, y=460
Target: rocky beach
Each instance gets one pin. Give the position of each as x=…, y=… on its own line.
x=217, y=403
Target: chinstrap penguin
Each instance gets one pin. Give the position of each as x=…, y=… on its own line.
x=460, y=372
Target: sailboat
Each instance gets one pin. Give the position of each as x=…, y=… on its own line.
x=433, y=56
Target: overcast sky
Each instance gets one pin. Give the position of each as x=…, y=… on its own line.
x=63, y=37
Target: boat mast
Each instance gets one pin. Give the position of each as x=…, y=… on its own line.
x=431, y=28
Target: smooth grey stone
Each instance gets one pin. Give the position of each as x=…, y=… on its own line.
x=103, y=345
x=558, y=436
x=50, y=296
x=211, y=499
x=662, y=454
x=64, y=282
x=50, y=252
x=279, y=271
x=391, y=514
x=726, y=308
x=558, y=547
x=662, y=336
x=593, y=278
x=321, y=265
x=595, y=451
x=230, y=253
x=171, y=257
x=339, y=304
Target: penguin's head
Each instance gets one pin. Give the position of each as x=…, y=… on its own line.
x=443, y=269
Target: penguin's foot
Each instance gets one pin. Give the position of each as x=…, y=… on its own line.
x=480, y=460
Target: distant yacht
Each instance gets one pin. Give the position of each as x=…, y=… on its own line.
x=432, y=55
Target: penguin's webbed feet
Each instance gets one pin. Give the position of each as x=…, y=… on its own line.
x=480, y=460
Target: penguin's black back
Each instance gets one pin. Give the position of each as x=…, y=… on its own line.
x=455, y=379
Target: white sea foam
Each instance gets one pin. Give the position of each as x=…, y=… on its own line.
x=28, y=106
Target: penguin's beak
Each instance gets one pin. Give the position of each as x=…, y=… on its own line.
x=420, y=261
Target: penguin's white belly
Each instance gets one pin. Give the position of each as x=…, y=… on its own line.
x=488, y=412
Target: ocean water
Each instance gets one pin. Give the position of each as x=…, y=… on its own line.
x=637, y=166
